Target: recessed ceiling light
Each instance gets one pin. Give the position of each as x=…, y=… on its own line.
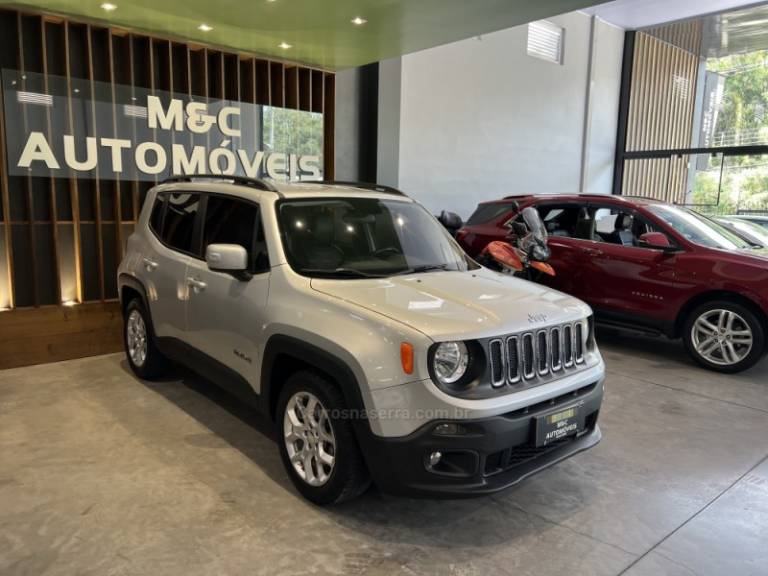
x=108, y=7
x=357, y=21
x=285, y=45
x=205, y=27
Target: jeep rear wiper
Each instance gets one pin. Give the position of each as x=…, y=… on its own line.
x=343, y=272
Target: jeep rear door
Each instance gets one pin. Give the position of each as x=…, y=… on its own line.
x=163, y=265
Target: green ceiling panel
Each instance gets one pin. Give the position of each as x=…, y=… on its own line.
x=319, y=31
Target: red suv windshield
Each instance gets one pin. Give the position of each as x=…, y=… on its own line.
x=698, y=229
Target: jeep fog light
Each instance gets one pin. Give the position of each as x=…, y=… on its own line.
x=450, y=361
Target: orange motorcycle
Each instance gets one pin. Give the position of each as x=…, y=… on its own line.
x=526, y=253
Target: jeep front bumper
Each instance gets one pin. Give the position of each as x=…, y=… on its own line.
x=491, y=454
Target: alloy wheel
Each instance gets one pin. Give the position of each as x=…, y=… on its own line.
x=309, y=438
x=722, y=337
x=136, y=338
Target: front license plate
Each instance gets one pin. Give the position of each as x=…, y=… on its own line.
x=557, y=425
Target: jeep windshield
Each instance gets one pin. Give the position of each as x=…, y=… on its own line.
x=699, y=229
x=365, y=238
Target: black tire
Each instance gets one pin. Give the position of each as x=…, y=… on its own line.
x=754, y=323
x=154, y=364
x=348, y=477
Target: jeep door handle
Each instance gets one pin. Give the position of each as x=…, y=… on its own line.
x=593, y=252
x=150, y=264
x=197, y=285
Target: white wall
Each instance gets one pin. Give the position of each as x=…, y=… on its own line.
x=388, y=128
x=347, y=124
x=480, y=119
x=603, y=107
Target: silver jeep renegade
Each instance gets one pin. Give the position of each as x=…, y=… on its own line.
x=349, y=316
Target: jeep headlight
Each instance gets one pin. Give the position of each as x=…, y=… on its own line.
x=450, y=362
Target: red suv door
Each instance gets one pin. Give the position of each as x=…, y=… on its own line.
x=568, y=251
x=621, y=277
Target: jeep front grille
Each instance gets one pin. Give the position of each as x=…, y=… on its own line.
x=536, y=355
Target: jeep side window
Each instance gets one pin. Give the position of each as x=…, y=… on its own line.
x=232, y=221
x=179, y=221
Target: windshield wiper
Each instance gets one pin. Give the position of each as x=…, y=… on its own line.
x=343, y=272
x=424, y=268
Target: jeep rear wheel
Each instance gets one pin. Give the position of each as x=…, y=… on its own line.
x=317, y=443
x=144, y=358
x=724, y=336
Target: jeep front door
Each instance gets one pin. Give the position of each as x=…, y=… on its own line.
x=225, y=311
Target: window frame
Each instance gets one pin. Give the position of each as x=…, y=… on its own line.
x=196, y=237
x=258, y=227
x=636, y=214
x=553, y=203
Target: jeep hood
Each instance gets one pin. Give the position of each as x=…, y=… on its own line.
x=458, y=305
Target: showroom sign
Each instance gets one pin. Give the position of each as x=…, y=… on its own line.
x=91, y=129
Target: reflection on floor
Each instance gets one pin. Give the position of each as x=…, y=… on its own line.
x=103, y=474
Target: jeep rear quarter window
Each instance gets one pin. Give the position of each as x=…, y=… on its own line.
x=156, y=218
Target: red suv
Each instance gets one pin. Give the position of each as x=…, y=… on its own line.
x=645, y=264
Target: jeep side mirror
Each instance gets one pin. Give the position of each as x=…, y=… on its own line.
x=231, y=258
x=656, y=241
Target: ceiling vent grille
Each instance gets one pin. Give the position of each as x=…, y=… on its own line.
x=545, y=41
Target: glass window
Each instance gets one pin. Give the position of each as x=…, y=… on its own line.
x=156, y=218
x=697, y=228
x=487, y=212
x=614, y=225
x=365, y=237
x=559, y=219
x=232, y=221
x=751, y=232
x=179, y=222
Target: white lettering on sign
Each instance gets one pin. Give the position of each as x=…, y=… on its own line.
x=37, y=149
x=179, y=151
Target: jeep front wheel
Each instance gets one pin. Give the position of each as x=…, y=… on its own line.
x=318, y=445
x=724, y=336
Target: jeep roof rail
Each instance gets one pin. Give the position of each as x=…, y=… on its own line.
x=241, y=180
x=364, y=186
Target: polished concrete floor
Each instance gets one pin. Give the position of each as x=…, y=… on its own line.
x=103, y=474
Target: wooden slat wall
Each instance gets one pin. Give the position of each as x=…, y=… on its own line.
x=685, y=35
x=660, y=117
x=62, y=239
